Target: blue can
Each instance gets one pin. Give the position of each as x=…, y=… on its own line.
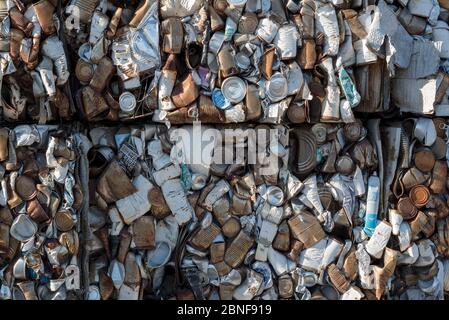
x=219, y=99
x=372, y=205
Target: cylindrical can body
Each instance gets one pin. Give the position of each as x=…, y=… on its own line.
x=372, y=205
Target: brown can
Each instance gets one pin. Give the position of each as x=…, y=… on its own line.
x=281, y=241
x=226, y=291
x=159, y=207
x=217, y=251
x=424, y=160
x=26, y=188
x=222, y=268
x=419, y=195
x=406, y=208
x=231, y=228
x=439, y=177
x=84, y=71
x=226, y=61
x=64, y=221
x=306, y=228
x=238, y=248
x=253, y=106
x=204, y=237
x=248, y=23
x=144, y=232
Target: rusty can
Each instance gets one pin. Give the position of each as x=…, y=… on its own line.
x=238, y=248
x=424, y=160
x=406, y=208
x=204, y=237
x=217, y=251
x=231, y=228
x=419, y=195
x=248, y=23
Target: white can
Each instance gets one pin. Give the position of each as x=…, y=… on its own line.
x=267, y=29
x=286, y=41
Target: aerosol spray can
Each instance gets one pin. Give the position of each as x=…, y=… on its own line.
x=372, y=205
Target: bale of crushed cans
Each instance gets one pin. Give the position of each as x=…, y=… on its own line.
x=224, y=149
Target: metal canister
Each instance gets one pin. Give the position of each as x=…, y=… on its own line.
x=159, y=207
x=372, y=205
x=242, y=61
x=282, y=240
x=230, y=28
x=217, y=251
x=3, y=9
x=216, y=42
x=275, y=196
x=144, y=232
x=306, y=228
x=64, y=221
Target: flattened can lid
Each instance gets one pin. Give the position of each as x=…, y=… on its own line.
x=320, y=132
x=25, y=188
x=64, y=221
x=277, y=87
x=406, y=208
x=419, y=195
x=424, y=160
x=127, y=102
x=23, y=228
x=248, y=23
x=242, y=61
x=84, y=71
x=234, y=89
x=352, y=131
x=220, y=100
x=345, y=165
x=275, y=196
